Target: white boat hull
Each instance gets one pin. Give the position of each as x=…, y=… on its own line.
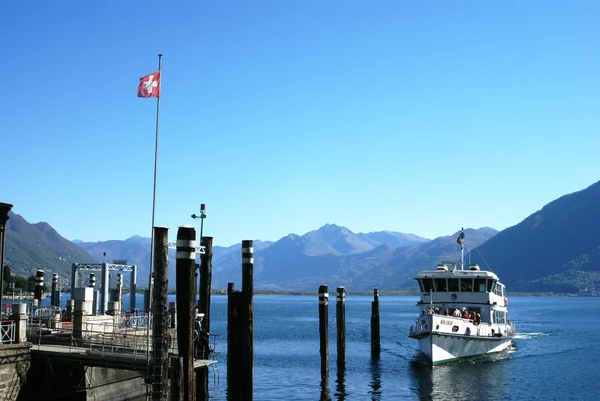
x=446, y=348
x=442, y=345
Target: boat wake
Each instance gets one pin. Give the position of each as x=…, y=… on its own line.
x=526, y=336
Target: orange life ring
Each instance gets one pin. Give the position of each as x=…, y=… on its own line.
x=505, y=301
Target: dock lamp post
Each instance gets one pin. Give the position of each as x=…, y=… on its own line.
x=4, y=209
x=202, y=216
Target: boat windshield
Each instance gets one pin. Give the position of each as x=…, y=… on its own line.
x=453, y=284
x=466, y=285
x=427, y=285
x=479, y=285
x=440, y=285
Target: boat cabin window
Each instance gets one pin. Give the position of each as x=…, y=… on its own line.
x=491, y=285
x=427, y=285
x=420, y=285
x=479, y=285
x=499, y=317
x=466, y=285
x=453, y=284
x=499, y=290
x=440, y=285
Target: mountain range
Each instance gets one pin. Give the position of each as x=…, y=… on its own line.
x=556, y=249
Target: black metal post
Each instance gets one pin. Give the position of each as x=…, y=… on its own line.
x=186, y=314
x=248, y=321
x=375, y=329
x=324, y=330
x=341, y=326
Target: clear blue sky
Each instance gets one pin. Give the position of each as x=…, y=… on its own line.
x=285, y=115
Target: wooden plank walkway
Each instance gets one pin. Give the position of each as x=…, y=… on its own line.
x=72, y=354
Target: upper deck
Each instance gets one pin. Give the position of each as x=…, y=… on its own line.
x=454, y=285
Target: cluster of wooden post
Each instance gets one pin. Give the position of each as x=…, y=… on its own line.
x=240, y=332
x=341, y=329
x=240, y=322
x=183, y=384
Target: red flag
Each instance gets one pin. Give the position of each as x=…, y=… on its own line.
x=149, y=85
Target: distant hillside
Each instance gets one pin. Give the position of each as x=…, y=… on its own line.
x=393, y=239
x=31, y=247
x=334, y=254
x=293, y=262
x=555, y=249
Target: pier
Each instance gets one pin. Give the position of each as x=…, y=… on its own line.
x=89, y=351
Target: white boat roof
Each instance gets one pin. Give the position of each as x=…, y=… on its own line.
x=456, y=274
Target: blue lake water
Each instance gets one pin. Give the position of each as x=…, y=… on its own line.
x=555, y=355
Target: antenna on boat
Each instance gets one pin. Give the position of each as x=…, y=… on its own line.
x=430, y=299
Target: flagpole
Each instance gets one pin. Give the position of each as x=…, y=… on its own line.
x=153, y=211
x=155, y=167
x=462, y=250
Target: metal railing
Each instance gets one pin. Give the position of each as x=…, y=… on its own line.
x=135, y=319
x=95, y=337
x=8, y=330
x=123, y=334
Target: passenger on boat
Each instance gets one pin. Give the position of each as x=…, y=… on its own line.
x=447, y=312
x=456, y=312
x=465, y=314
x=474, y=318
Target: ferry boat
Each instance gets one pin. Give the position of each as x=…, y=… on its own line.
x=462, y=312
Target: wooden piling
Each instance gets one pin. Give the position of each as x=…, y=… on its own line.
x=160, y=345
x=248, y=320
x=230, y=330
x=185, y=268
x=341, y=325
x=202, y=384
x=205, y=283
x=234, y=344
x=324, y=329
x=375, y=328
x=54, y=295
x=176, y=374
x=39, y=282
x=204, y=307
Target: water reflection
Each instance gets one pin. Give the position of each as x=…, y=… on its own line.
x=340, y=383
x=477, y=379
x=325, y=396
x=375, y=380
